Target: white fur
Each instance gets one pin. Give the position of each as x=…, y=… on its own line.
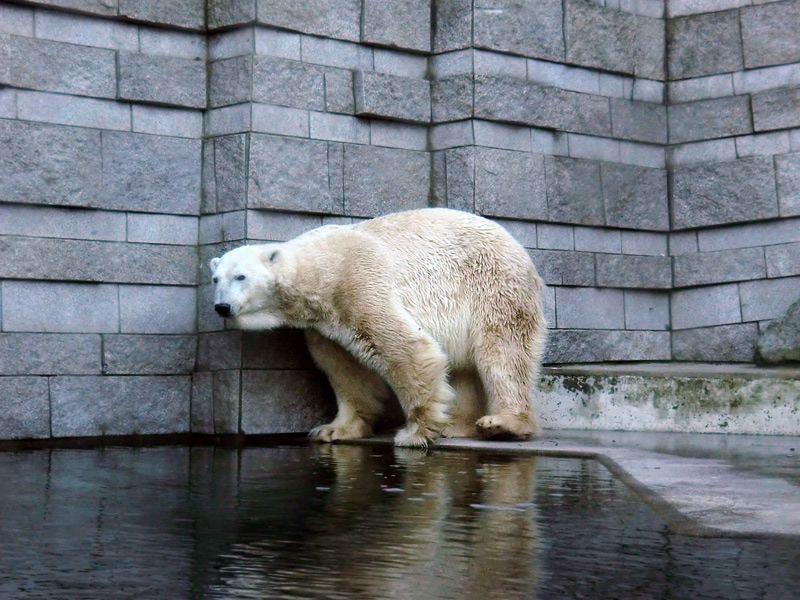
x=399, y=303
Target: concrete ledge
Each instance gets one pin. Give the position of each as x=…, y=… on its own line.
x=682, y=397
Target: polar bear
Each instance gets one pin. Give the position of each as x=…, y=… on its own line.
x=440, y=307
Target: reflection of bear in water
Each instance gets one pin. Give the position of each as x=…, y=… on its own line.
x=392, y=524
x=415, y=303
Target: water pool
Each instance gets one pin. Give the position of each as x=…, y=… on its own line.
x=352, y=522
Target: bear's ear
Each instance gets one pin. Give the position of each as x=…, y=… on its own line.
x=213, y=264
x=272, y=255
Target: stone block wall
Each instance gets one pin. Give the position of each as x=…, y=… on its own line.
x=645, y=153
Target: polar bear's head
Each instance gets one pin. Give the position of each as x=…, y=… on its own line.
x=245, y=280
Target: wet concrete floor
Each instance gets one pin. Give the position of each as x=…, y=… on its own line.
x=370, y=521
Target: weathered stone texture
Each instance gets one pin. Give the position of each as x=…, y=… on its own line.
x=49, y=164
x=56, y=67
x=708, y=119
x=630, y=271
x=587, y=345
x=230, y=172
x=398, y=98
x=635, y=197
x=531, y=28
x=716, y=194
x=706, y=306
x=509, y=184
x=227, y=392
x=181, y=13
x=639, y=121
x=518, y=101
x=329, y=18
x=339, y=96
x=277, y=401
x=704, y=44
x=230, y=12
x=725, y=343
x=49, y=354
x=93, y=406
x=398, y=23
x=230, y=81
x=291, y=174
x=276, y=349
x=453, y=20
x=148, y=354
x=25, y=407
x=378, y=181
x=151, y=173
x=769, y=34
x=788, y=174
x=780, y=341
x=600, y=37
x=776, y=109
x=451, y=98
x=564, y=267
x=589, y=308
x=288, y=83
x=783, y=260
x=162, y=80
x=703, y=268
x=573, y=191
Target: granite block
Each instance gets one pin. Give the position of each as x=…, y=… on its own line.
x=574, y=194
x=49, y=354
x=639, y=121
x=274, y=42
x=632, y=271
x=532, y=29
x=646, y=310
x=593, y=239
x=149, y=354
x=397, y=23
x=644, y=242
x=721, y=193
x=704, y=44
x=460, y=178
x=49, y=164
x=776, y=109
x=288, y=83
x=635, y=197
x=55, y=222
x=140, y=405
x=755, y=234
x=279, y=226
x=510, y=184
x=230, y=81
x=338, y=19
x=768, y=298
x=73, y=110
x=230, y=171
x=564, y=267
x=589, y=308
x=769, y=34
x=162, y=229
x=150, y=173
x=382, y=180
x=222, y=13
x=787, y=169
x=190, y=14
x=339, y=128
x=763, y=144
x=45, y=307
x=706, y=119
x=778, y=343
x=339, y=96
x=600, y=37
x=397, y=98
x=451, y=98
x=592, y=345
x=725, y=343
x=649, y=55
x=57, y=67
x=706, y=306
x=704, y=268
x=157, y=309
x=226, y=389
x=290, y=174
x=453, y=19
x=161, y=80
x=783, y=260
x=25, y=405
x=202, y=415
x=174, y=122
x=555, y=237
x=219, y=350
x=279, y=401
x=85, y=31
x=398, y=135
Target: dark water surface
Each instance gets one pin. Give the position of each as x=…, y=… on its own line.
x=352, y=522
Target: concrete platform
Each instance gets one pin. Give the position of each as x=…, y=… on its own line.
x=707, y=485
x=676, y=397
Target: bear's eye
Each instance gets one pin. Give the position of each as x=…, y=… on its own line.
x=215, y=279
x=240, y=278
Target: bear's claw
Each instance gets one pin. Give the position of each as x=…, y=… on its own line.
x=504, y=425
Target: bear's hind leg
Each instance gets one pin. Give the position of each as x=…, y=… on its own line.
x=358, y=391
x=507, y=372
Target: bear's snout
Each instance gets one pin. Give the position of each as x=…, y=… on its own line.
x=223, y=310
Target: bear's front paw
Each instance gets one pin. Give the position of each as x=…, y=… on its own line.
x=504, y=426
x=414, y=436
x=332, y=433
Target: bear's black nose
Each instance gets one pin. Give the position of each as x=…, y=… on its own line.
x=224, y=310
